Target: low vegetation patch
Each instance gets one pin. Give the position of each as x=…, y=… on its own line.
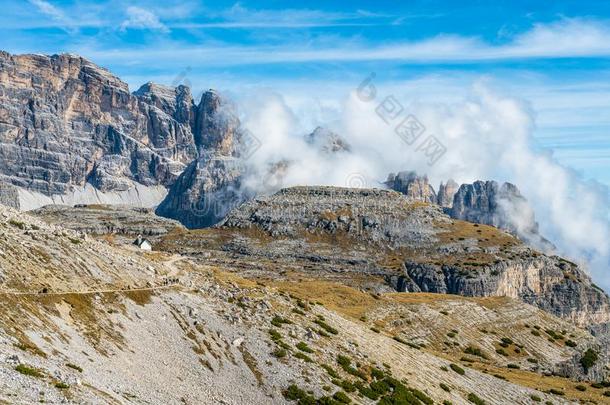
x=278, y=321
x=321, y=323
x=589, y=359
x=472, y=397
x=74, y=367
x=302, y=346
x=457, y=369
x=30, y=371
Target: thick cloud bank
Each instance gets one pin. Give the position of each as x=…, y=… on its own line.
x=484, y=136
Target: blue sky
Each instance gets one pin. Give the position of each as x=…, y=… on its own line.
x=553, y=55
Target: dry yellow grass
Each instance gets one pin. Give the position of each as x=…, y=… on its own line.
x=546, y=383
x=337, y=297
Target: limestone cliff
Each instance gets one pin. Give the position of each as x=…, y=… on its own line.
x=66, y=123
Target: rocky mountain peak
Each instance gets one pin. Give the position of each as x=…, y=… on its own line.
x=327, y=141
x=502, y=206
x=413, y=186
x=217, y=124
x=446, y=192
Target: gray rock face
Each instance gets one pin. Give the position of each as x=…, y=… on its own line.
x=444, y=198
x=211, y=185
x=65, y=121
x=413, y=186
x=205, y=192
x=548, y=282
x=217, y=125
x=9, y=196
x=501, y=206
x=327, y=141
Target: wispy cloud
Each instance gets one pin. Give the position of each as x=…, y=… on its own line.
x=239, y=16
x=563, y=39
x=55, y=14
x=139, y=18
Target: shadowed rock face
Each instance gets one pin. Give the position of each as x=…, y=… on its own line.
x=204, y=193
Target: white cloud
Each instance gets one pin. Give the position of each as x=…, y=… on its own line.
x=139, y=18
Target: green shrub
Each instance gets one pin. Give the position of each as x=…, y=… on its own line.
x=278, y=321
x=532, y=360
x=302, y=346
x=368, y=393
x=303, y=356
x=422, y=397
x=535, y=398
x=506, y=340
x=331, y=372
x=326, y=327
x=294, y=393
x=502, y=352
x=374, y=329
x=472, y=397
x=345, y=364
x=62, y=386
x=377, y=373
x=535, y=333
x=298, y=311
x=17, y=224
x=475, y=351
x=275, y=335
x=581, y=388
x=571, y=343
x=380, y=387
x=457, y=369
x=588, y=359
x=342, y=397
x=513, y=366
x=607, y=393
x=556, y=392
x=75, y=367
x=444, y=312
x=322, y=333
x=445, y=387
x=451, y=334
x=27, y=370
x=279, y=353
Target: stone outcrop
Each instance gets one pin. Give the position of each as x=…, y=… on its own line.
x=413, y=186
x=107, y=219
x=446, y=191
x=548, y=282
x=501, y=206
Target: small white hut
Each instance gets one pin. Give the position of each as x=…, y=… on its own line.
x=142, y=243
